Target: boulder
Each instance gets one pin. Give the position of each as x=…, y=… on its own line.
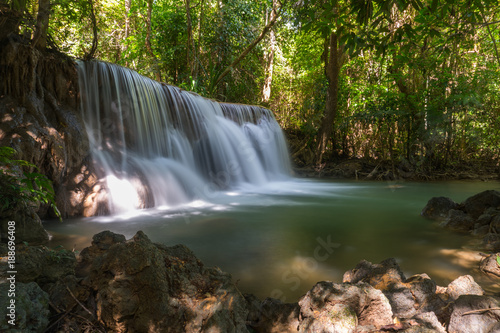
x=31, y=308
x=424, y=292
x=474, y=313
x=140, y=286
x=495, y=224
x=463, y=285
x=491, y=242
x=427, y=322
x=272, y=316
x=481, y=230
x=486, y=217
x=387, y=277
x=43, y=265
x=437, y=208
x=28, y=227
x=459, y=221
x=490, y=265
x=477, y=204
x=340, y=307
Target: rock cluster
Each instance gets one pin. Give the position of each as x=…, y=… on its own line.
x=479, y=215
x=135, y=285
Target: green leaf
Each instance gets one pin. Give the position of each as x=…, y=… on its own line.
x=498, y=260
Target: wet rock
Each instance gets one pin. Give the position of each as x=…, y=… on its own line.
x=463, y=285
x=477, y=204
x=495, y=224
x=462, y=320
x=495, y=328
x=43, y=265
x=490, y=265
x=491, y=242
x=427, y=322
x=424, y=291
x=31, y=308
x=378, y=275
x=387, y=277
x=484, y=219
x=481, y=230
x=340, y=307
x=28, y=225
x=272, y=316
x=459, y=221
x=41, y=120
x=139, y=285
x=437, y=208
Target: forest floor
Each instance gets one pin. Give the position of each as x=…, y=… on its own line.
x=370, y=169
x=335, y=167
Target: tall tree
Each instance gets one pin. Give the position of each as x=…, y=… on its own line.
x=333, y=57
x=269, y=56
x=42, y=25
x=148, y=41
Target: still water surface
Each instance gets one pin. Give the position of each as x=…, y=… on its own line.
x=278, y=240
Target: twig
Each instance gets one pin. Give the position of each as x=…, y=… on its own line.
x=58, y=320
x=88, y=322
x=480, y=310
x=83, y=306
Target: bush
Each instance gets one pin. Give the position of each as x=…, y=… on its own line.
x=18, y=187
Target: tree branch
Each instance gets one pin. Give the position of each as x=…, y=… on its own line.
x=249, y=48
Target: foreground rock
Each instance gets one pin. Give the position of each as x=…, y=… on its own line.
x=478, y=215
x=135, y=285
x=139, y=286
x=28, y=226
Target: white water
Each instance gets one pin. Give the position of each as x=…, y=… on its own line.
x=157, y=145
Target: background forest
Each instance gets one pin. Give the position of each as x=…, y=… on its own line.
x=411, y=82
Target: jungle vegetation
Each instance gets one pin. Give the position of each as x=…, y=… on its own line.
x=407, y=81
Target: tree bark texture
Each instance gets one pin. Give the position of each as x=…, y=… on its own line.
x=333, y=61
x=269, y=57
x=42, y=25
x=148, y=41
x=91, y=53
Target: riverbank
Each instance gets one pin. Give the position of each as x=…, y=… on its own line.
x=136, y=285
x=363, y=169
x=338, y=167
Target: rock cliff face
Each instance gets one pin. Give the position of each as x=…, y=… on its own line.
x=40, y=119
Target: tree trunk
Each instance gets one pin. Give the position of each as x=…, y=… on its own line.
x=42, y=25
x=190, y=47
x=148, y=41
x=269, y=57
x=333, y=61
x=93, y=50
x=196, y=68
x=128, y=4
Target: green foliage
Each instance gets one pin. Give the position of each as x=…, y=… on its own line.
x=418, y=82
x=27, y=189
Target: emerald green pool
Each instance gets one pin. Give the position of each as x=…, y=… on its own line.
x=279, y=240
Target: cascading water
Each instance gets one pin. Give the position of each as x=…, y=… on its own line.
x=157, y=145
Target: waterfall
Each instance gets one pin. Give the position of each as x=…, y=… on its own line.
x=156, y=145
